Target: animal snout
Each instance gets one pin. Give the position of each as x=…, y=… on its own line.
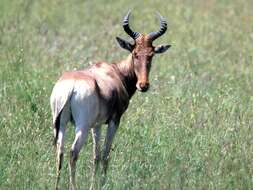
x=143, y=86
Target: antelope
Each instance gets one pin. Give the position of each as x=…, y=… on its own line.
x=100, y=95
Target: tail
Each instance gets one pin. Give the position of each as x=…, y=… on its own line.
x=61, y=94
x=56, y=127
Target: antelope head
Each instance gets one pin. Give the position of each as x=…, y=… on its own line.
x=143, y=50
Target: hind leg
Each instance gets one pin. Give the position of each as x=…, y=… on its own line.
x=59, y=154
x=64, y=118
x=85, y=110
x=96, y=131
x=80, y=138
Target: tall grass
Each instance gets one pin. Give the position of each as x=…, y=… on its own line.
x=192, y=130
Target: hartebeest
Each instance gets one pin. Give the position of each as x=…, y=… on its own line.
x=100, y=95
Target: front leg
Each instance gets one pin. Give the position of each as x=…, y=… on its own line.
x=112, y=128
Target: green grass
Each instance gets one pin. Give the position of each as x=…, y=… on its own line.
x=192, y=130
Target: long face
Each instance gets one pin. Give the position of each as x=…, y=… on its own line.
x=142, y=55
x=143, y=51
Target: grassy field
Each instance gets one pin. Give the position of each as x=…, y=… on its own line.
x=192, y=130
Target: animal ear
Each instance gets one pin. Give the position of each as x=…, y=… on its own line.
x=124, y=44
x=161, y=48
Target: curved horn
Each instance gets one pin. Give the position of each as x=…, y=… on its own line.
x=162, y=30
x=127, y=29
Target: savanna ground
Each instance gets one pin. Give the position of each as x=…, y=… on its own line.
x=192, y=130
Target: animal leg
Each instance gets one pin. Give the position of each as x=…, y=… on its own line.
x=96, y=147
x=111, y=131
x=80, y=138
x=85, y=111
x=59, y=154
x=96, y=132
x=64, y=118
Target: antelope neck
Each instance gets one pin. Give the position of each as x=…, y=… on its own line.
x=126, y=69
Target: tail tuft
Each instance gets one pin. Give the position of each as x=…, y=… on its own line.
x=56, y=127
